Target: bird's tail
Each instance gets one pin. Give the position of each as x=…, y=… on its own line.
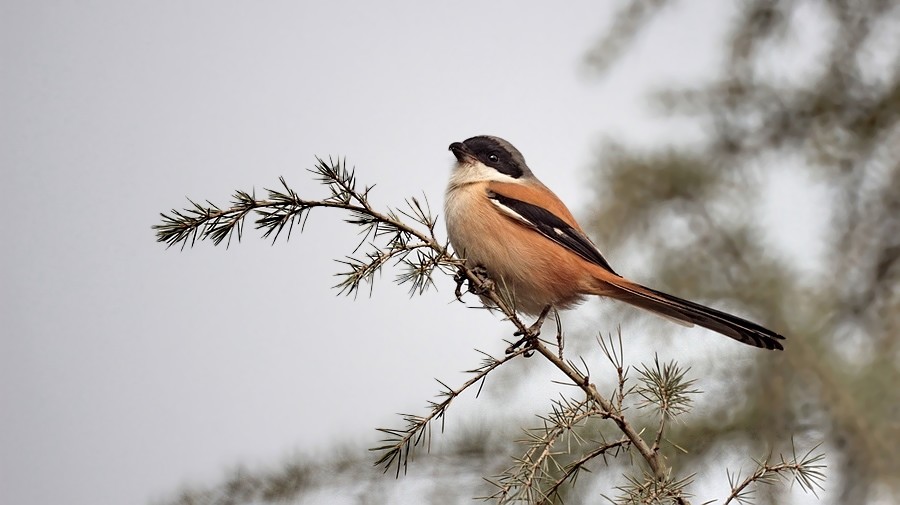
x=692, y=313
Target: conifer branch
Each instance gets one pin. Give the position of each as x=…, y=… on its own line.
x=806, y=471
x=523, y=481
x=418, y=252
x=400, y=443
x=570, y=473
x=540, y=473
x=661, y=473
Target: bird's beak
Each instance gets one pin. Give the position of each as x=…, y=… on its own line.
x=461, y=152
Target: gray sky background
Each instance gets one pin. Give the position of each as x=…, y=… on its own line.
x=127, y=370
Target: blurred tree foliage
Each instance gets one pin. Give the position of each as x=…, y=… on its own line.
x=833, y=119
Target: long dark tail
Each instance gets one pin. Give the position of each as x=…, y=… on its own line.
x=680, y=309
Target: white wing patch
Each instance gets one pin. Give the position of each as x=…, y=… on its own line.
x=519, y=217
x=551, y=226
x=513, y=214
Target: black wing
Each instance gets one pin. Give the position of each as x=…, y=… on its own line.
x=551, y=226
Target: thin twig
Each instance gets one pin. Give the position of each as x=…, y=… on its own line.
x=653, y=459
x=400, y=445
x=807, y=471
x=575, y=467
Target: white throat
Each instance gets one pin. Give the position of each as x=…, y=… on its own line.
x=465, y=173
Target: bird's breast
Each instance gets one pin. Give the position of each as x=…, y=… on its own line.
x=529, y=268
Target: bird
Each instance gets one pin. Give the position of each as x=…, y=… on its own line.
x=503, y=221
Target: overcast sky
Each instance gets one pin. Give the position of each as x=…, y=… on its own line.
x=127, y=370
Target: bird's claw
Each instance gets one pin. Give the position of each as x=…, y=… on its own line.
x=529, y=335
x=528, y=338
x=485, y=283
x=459, y=278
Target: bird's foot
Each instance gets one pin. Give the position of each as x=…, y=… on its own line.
x=486, y=283
x=483, y=286
x=460, y=278
x=529, y=335
x=560, y=339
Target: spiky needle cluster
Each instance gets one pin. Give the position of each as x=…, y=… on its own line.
x=807, y=470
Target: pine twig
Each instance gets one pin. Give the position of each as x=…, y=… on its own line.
x=571, y=470
x=400, y=442
x=806, y=470
x=523, y=480
x=661, y=472
x=417, y=251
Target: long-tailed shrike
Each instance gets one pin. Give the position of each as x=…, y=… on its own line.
x=501, y=218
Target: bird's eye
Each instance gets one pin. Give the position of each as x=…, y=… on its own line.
x=494, y=158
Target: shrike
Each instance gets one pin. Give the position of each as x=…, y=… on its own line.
x=502, y=219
